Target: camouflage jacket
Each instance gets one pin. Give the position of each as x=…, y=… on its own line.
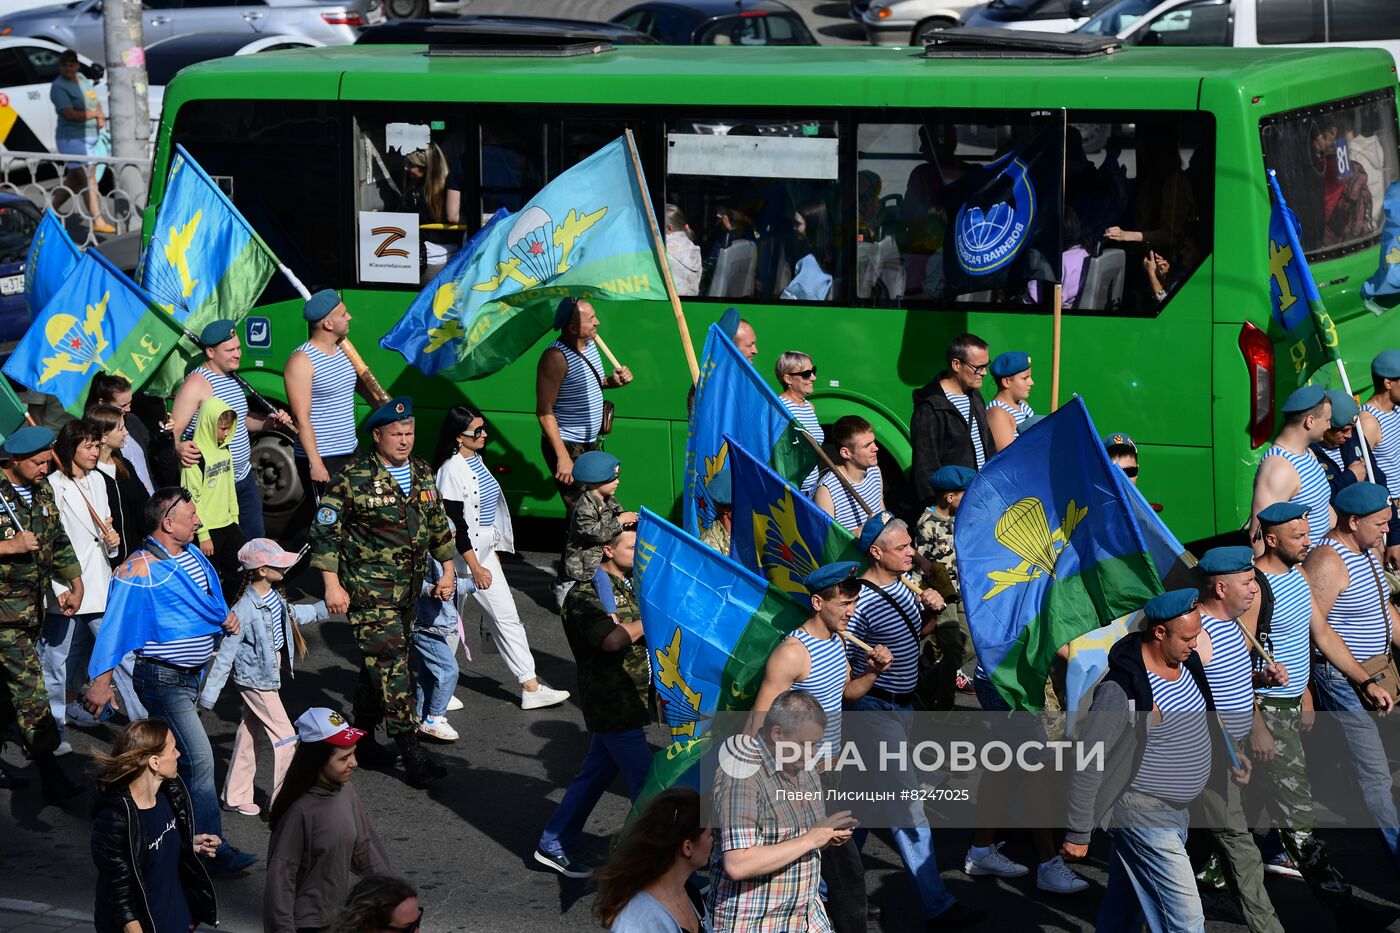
x=24, y=577
x=593, y=522
x=614, y=687
x=933, y=540
x=376, y=538
x=716, y=536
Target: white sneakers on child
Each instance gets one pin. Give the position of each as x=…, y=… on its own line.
x=542, y=697
x=439, y=728
x=454, y=704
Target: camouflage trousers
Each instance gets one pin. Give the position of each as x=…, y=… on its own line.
x=385, y=689
x=1284, y=781
x=23, y=699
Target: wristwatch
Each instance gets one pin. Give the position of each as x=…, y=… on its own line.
x=1160, y=294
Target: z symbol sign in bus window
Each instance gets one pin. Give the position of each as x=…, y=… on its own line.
x=391, y=236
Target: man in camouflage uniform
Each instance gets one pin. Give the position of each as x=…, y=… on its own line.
x=34, y=549
x=379, y=520
x=933, y=544
x=614, y=689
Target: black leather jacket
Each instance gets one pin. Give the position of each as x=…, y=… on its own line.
x=117, y=835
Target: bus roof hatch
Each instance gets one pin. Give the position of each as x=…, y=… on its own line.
x=962, y=42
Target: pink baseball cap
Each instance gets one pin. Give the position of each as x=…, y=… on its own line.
x=264, y=552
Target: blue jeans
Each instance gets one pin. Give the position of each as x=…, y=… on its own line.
x=1149, y=877
x=914, y=843
x=250, y=512
x=170, y=695
x=1336, y=695
x=608, y=753
x=434, y=662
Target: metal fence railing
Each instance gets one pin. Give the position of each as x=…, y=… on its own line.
x=54, y=180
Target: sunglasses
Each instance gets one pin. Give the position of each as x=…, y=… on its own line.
x=408, y=927
x=976, y=370
x=629, y=526
x=479, y=432
x=805, y=373
x=183, y=495
x=1129, y=471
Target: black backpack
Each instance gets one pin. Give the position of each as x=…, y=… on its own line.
x=1266, y=612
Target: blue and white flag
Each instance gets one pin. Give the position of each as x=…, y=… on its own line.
x=52, y=256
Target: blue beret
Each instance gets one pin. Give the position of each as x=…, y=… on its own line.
x=829, y=575
x=1010, y=363
x=1344, y=408
x=729, y=322
x=872, y=528
x=1387, y=365
x=951, y=479
x=1361, y=499
x=1222, y=560
x=1169, y=605
x=596, y=466
x=29, y=439
x=1119, y=440
x=1028, y=423
x=564, y=312
x=320, y=304
x=396, y=409
x=217, y=332
x=721, y=487
x=1303, y=399
x=1281, y=512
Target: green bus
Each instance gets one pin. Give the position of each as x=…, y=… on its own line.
x=1166, y=152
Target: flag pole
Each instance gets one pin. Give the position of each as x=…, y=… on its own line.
x=606, y=352
x=1360, y=431
x=1057, y=296
x=660, y=246
x=373, y=390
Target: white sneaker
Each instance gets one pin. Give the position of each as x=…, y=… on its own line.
x=63, y=749
x=454, y=704
x=438, y=728
x=544, y=696
x=1055, y=876
x=993, y=863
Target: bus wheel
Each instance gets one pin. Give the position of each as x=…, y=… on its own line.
x=274, y=465
x=406, y=9
x=932, y=24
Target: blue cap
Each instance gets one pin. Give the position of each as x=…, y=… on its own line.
x=1010, y=363
x=1119, y=440
x=1027, y=423
x=951, y=478
x=829, y=575
x=1169, y=605
x=1387, y=365
x=396, y=409
x=564, y=313
x=320, y=304
x=29, y=439
x=1303, y=399
x=1344, y=408
x=1361, y=499
x=596, y=466
x=871, y=530
x=1223, y=560
x=217, y=332
x=721, y=487
x=1281, y=512
x=729, y=322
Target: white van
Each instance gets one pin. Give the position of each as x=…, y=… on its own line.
x=1360, y=23
x=904, y=22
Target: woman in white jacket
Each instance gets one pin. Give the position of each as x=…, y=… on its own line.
x=81, y=496
x=477, y=506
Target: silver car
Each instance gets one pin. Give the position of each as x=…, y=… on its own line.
x=78, y=25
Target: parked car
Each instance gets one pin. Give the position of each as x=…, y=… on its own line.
x=27, y=118
x=462, y=29
x=79, y=25
x=1239, y=23
x=19, y=218
x=718, y=22
x=419, y=9
x=1039, y=15
x=904, y=22
x=165, y=58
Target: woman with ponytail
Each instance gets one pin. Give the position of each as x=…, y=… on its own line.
x=643, y=888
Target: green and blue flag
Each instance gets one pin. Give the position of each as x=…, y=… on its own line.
x=732, y=400
x=52, y=256
x=1052, y=542
x=587, y=234
x=1381, y=291
x=778, y=532
x=710, y=626
x=1308, y=332
x=99, y=321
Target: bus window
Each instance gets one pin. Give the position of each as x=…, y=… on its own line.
x=763, y=198
x=581, y=138
x=404, y=163
x=512, y=164
x=1334, y=163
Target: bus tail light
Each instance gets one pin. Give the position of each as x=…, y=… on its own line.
x=1258, y=354
x=343, y=18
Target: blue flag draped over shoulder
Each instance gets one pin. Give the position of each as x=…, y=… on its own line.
x=52, y=256
x=731, y=399
x=98, y=321
x=1051, y=544
x=587, y=234
x=777, y=531
x=1381, y=291
x=154, y=601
